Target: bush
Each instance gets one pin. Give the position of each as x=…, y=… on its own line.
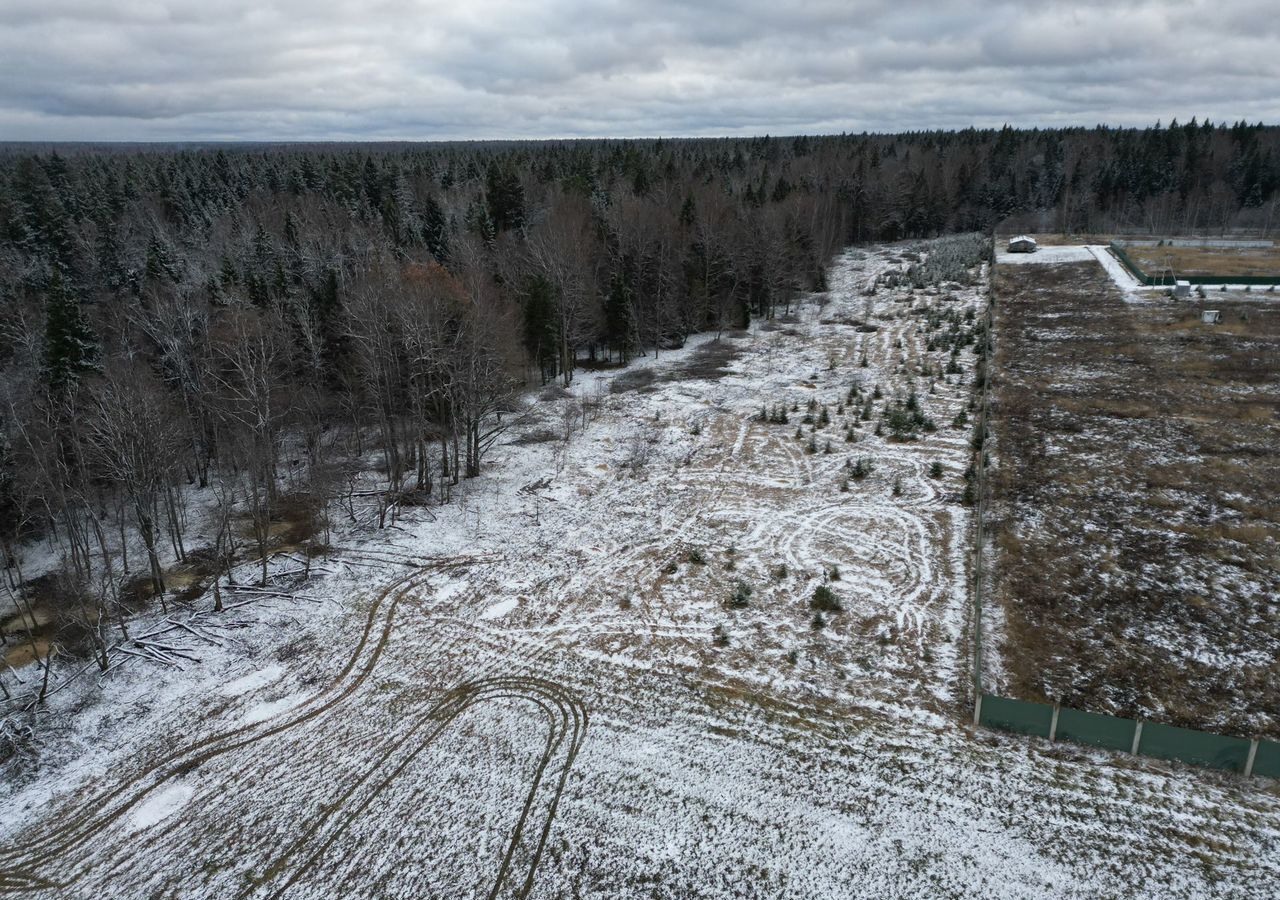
x=935, y=470
x=817, y=622
x=741, y=596
x=721, y=636
x=695, y=556
x=825, y=600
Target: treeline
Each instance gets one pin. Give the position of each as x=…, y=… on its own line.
x=246, y=323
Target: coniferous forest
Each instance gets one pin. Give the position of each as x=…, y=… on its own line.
x=197, y=337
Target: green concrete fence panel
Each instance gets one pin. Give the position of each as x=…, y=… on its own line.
x=1267, y=762
x=1230, y=279
x=1095, y=729
x=1016, y=715
x=1196, y=747
x=1129, y=264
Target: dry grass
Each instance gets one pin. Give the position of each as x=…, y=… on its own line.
x=1210, y=261
x=1138, y=461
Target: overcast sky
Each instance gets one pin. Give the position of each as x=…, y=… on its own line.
x=419, y=69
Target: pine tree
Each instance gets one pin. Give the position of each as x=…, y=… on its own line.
x=505, y=196
x=70, y=347
x=618, y=314
x=688, y=212
x=541, y=329
x=435, y=229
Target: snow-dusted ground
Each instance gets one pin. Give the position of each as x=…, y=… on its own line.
x=536, y=690
x=1050, y=253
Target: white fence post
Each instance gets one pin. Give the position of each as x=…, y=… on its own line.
x=977, y=710
x=1053, y=725
x=1137, y=738
x=1253, y=752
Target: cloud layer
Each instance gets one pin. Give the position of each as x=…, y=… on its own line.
x=419, y=69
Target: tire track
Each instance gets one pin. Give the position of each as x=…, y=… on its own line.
x=18, y=861
x=567, y=722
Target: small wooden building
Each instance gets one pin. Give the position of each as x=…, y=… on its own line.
x=1022, y=244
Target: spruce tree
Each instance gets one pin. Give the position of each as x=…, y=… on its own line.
x=541, y=332
x=70, y=348
x=618, y=316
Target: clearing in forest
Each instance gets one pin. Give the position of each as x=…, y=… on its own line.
x=700, y=633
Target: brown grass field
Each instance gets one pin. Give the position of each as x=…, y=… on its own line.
x=1136, y=508
x=1207, y=261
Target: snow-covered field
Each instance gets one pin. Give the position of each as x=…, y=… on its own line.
x=542, y=689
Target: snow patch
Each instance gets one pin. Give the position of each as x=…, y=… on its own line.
x=500, y=609
x=159, y=806
x=264, y=711
x=253, y=680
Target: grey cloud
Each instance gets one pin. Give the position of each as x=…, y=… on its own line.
x=319, y=69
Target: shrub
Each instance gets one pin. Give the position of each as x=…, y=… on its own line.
x=935, y=470
x=741, y=595
x=695, y=556
x=817, y=622
x=721, y=636
x=825, y=600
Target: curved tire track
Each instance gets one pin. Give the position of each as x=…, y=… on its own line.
x=17, y=862
x=567, y=722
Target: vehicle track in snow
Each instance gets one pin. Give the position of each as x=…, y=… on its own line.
x=26, y=867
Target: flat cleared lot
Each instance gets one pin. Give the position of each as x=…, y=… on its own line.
x=1051, y=254
x=543, y=689
x=1215, y=262
x=1137, y=471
